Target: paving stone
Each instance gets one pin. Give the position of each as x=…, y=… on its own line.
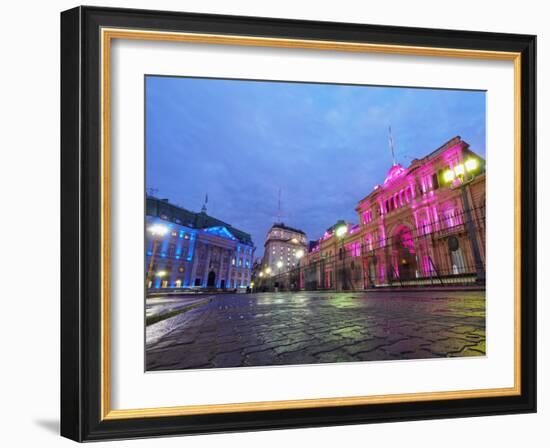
x=228, y=359
x=405, y=346
x=449, y=347
x=261, y=358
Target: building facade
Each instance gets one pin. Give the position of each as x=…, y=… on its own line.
x=424, y=225
x=194, y=250
x=283, y=248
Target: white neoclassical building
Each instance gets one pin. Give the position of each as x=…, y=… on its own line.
x=194, y=250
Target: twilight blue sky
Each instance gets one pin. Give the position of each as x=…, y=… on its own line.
x=324, y=145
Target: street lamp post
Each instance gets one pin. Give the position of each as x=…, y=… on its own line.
x=299, y=255
x=341, y=232
x=157, y=231
x=267, y=274
x=279, y=266
x=464, y=172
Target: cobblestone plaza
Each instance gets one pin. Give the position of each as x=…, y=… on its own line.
x=264, y=329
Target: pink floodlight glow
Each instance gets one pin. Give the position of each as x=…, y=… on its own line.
x=315, y=249
x=451, y=155
x=327, y=235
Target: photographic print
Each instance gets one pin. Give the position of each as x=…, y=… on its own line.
x=297, y=223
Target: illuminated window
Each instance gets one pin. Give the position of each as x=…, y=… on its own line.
x=171, y=250
x=368, y=242
x=367, y=216
x=426, y=227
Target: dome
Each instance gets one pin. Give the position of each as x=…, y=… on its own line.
x=394, y=172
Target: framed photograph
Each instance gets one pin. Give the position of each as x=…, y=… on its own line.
x=274, y=223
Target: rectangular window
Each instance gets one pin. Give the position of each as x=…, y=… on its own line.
x=367, y=216
x=435, y=181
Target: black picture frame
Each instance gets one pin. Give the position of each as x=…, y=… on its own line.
x=81, y=224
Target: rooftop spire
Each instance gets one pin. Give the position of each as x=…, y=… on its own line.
x=203, y=209
x=392, y=148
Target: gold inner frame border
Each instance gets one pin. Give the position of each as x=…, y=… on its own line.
x=107, y=35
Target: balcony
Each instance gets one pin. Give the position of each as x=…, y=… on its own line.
x=448, y=231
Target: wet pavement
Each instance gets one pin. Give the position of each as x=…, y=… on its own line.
x=158, y=306
x=235, y=330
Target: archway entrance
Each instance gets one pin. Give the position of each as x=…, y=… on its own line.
x=404, y=254
x=211, y=279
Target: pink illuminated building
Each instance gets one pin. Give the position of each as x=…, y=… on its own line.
x=425, y=224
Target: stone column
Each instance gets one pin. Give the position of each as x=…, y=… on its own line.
x=207, y=265
x=228, y=270
x=194, y=264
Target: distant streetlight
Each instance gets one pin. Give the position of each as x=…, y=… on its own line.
x=341, y=231
x=471, y=164
x=463, y=171
x=279, y=266
x=261, y=274
x=448, y=176
x=299, y=253
x=157, y=231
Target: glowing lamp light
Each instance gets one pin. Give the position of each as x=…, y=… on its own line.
x=161, y=273
x=459, y=170
x=279, y=264
x=471, y=164
x=158, y=229
x=267, y=270
x=261, y=274
x=341, y=231
x=448, y=176
x=294, y=240
x=299, y=254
